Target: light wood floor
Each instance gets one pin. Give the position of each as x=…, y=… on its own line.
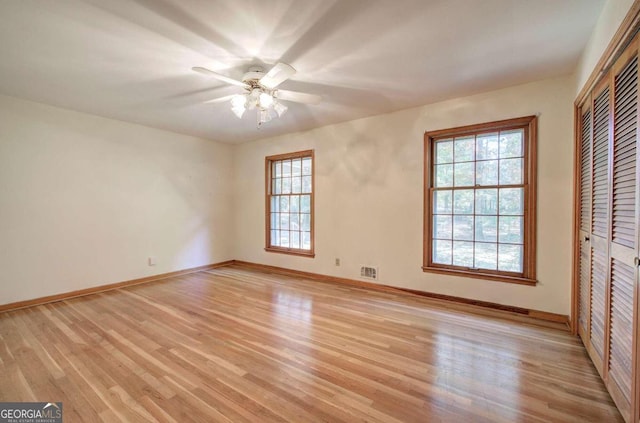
x=235, y=345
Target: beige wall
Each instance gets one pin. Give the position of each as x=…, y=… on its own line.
x=85, y=200
x=612, y=15
x=369, y=181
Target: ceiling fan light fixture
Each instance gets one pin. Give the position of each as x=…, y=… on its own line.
x=265, y=100
x=279, y=108
x=253, y=98
x=261, y=92
x=239, y=100
x=263, y=116
x=238, y=111
x=238, y=105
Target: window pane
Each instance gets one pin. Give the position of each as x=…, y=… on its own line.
x=305, y=222
x=464, y=174
x=286, y=185
x=463, y=228
x=511, y=144
x=442, y=251
x=296, y=167
x=443, y=202
x=511, y=172
x=306, y=184
x=463, y=201
x=487, y=228
x=463, y=150
x=463, y=253
x=306, y=240
x=442, y=227
x=305, y=203
x=294, y=221
x=511, y=201
x=284, y=204
x=444, y=151
x=286, y=168
x=284, y=239
x=486, y=256
x=296, y=184
x=276, y=186
x=294, y=239
x=444, y=175
x=284, y=220
x=294, y=203
x=306, y=166
x=487, y=172
x=487, y=146
x=487, y=201
x=510, y=258
x=511, y=229
x=478, y=205
x=289, y=226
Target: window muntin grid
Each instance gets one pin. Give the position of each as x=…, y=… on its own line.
x=478, y=203
x=290, y=203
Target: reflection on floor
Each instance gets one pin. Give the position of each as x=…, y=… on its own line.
x=233, y=344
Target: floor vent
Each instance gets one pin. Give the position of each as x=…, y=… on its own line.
x=369, y=272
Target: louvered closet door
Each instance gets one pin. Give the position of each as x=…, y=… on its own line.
x=624, y=233
x=609, y=229
x=599, y=239
x=584, y=216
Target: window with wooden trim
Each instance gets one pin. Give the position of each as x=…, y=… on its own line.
x=480, y=201
x=289, y=203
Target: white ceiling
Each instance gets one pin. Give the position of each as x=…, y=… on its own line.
x=131, y=59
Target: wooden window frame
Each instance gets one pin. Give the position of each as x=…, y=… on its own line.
x=528, y=276
x=285, y=250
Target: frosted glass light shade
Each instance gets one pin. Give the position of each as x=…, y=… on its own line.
x=238, y=103
x=266, y=105
x=279, y=108
x=264, y=116
x=253, y=98
x=265, y=100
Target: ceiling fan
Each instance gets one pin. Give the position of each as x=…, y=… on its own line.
x=261, y=91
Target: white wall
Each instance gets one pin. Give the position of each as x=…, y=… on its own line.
x=85, y=200
x=612, y=15
x=369, y=181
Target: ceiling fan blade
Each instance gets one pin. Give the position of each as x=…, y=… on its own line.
x=220, y=77
x=277, y=75
x=220, y=99
x=298, y=97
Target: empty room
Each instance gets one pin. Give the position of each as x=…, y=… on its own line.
x=319, y=211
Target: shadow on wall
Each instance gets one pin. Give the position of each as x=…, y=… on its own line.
x=371, y=150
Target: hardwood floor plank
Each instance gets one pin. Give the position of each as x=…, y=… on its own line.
x=234, y=344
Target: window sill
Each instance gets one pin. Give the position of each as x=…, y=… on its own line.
x=480, y=275
x=301, y=253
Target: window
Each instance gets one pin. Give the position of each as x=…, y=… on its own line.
x=289, y=204
x=480, y=201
